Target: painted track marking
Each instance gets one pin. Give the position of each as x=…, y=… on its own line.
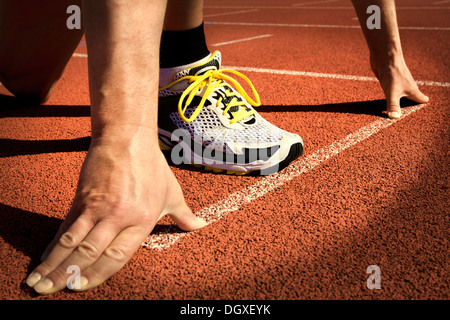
x=312, y=74
x=313, y=2
x=319, y=8
x=242, y=40
x=334, y=26
x=234, y=201
x=229, y=13
x=440, y=2
x=80, y=55
x=329, y=75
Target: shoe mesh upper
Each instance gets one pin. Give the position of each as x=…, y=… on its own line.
x=208, y=130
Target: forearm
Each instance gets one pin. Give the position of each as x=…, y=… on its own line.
x=123, y=40
x=384, y=43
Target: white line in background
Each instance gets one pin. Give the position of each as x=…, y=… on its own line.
x=228, y=13
x=266, y=184
x=313, y=74
x=425, y=28
x=80, y=55
x=440, y=2
x=321, y=8
x=313, y=2
x=295, y=25
x=328, y=75
x=303, y=73
x=242, y=40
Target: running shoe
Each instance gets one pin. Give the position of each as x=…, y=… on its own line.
x=207, y=119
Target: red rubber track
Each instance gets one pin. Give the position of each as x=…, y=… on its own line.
x=384, y=201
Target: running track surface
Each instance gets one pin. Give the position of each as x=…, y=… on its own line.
x=367, y=191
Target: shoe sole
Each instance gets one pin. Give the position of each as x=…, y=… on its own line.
x=295, y=151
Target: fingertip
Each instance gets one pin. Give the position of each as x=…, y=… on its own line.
x=422, y=98
x=393, y=111
x=188, y=221
x=44, y=286
x=84, y=285
x=418, y=97
x=394, y=114
x=33, y=278
x=201, y=223
x=193, y=224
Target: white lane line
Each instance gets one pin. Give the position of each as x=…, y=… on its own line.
x=440, y=2
x=80, y=55
x=229, y=13
x=313, y=2
x=328, y=75
x=303, y=73
x=242, y=40
x=236, y=200
x=312, y=74
x=425, y=28
x=320, y=8
x=296, y=25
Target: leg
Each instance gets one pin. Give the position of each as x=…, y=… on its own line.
x=125, y=184
x=32, y=62
x=183, y=39
x=386, y=56
x=183, y=14
x=241, y=141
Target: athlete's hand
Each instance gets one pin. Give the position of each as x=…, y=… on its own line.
x=397, y=82
x=122, y=193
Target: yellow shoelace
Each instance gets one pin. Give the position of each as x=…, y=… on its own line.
x=214, y=79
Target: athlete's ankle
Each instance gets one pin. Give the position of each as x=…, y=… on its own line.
x=183, y=47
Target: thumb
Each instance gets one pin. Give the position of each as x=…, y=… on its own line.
x=178, y=210
x=417, y=96
x=185, y=219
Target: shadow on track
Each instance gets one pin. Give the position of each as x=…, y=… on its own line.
x=371, y=107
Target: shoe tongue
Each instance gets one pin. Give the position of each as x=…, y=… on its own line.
x=213, y=63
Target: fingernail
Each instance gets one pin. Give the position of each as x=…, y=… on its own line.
x=394, y=115
x=33, y=278
x=202, y=222
x=83, y=282
x=43, y=285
